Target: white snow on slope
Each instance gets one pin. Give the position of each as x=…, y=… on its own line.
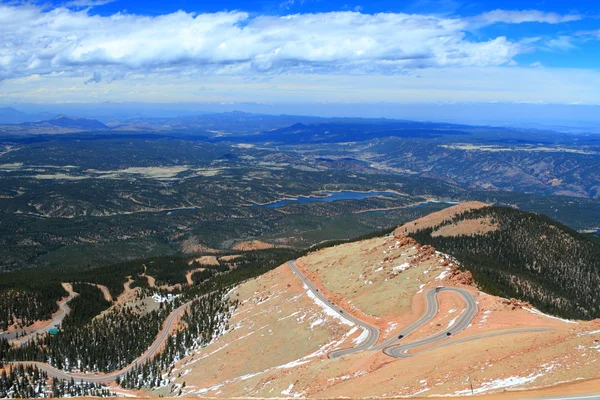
x=499, y=384
x=363, y=336
x=323, y=351
x=442, y=275
x=401, y=267
x=452, y=322
x=326, y=309
x=538, y=312
x=288, y=392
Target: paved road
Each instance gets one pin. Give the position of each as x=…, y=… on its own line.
x=388, y=346
x=463, y=321
x=373, y=331
x=27, y=334
x=482, y=336
x=101, y=378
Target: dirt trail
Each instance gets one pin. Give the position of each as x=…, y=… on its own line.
x=188, y=275
x=105, y=292
x=151, y=280
x=127, y=292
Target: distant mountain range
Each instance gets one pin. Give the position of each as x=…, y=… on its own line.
x=16, y=122
x=281, y=129
x=69, y=122
x=9, y=115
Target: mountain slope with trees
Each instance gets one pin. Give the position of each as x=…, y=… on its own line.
x=528, y=256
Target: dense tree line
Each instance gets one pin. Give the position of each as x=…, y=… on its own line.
x=205, y=319
x=529, y=257
x=32, y=295
x=86, y=306
x=102, y=345
x=63, y=388
x=28, y=296
x=23, y=382
x=29, y=382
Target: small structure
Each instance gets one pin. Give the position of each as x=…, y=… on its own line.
x=54, y=331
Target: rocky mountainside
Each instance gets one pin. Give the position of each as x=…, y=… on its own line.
x=283, y=337
x=522, y=255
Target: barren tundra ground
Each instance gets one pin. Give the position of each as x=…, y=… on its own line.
x=279, y=337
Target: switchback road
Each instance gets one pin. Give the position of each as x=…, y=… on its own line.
x=373, y=333
x=390, y=346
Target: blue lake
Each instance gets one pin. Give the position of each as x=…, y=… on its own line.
x=327, y=197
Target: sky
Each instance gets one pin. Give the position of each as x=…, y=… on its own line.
x=318, y=52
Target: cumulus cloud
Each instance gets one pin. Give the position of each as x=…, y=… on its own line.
x=522, y=16
x=71, y=42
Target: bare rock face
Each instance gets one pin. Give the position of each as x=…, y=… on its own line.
x=515, y=304
x=404, y=240
x=459, y=277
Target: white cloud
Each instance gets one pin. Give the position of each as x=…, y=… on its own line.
x=522, y=16
x=87, y=3
x=76, y=43
x=590, y=34
x=561, y=43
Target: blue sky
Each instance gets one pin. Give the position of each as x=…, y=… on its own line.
x=300, y=51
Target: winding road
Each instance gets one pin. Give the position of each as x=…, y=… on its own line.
x=104, y=378
x=458, y=326
x=390, y=346
x=370, y=341
x=28, y=333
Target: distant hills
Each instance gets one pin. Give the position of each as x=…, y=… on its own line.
x=13, y=121
x=9, y=115
x=64, y=121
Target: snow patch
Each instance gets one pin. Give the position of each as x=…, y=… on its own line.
x=442, y=275
x=288, y=391
x=164, y=299
x=317, y=322
x=401, y=267
x=538, y=312
x=485, y=317
x=326, y=309
x=391, y=326
x=363, y=336
x=589, y=333
x=452, y=321
x=500, y=384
